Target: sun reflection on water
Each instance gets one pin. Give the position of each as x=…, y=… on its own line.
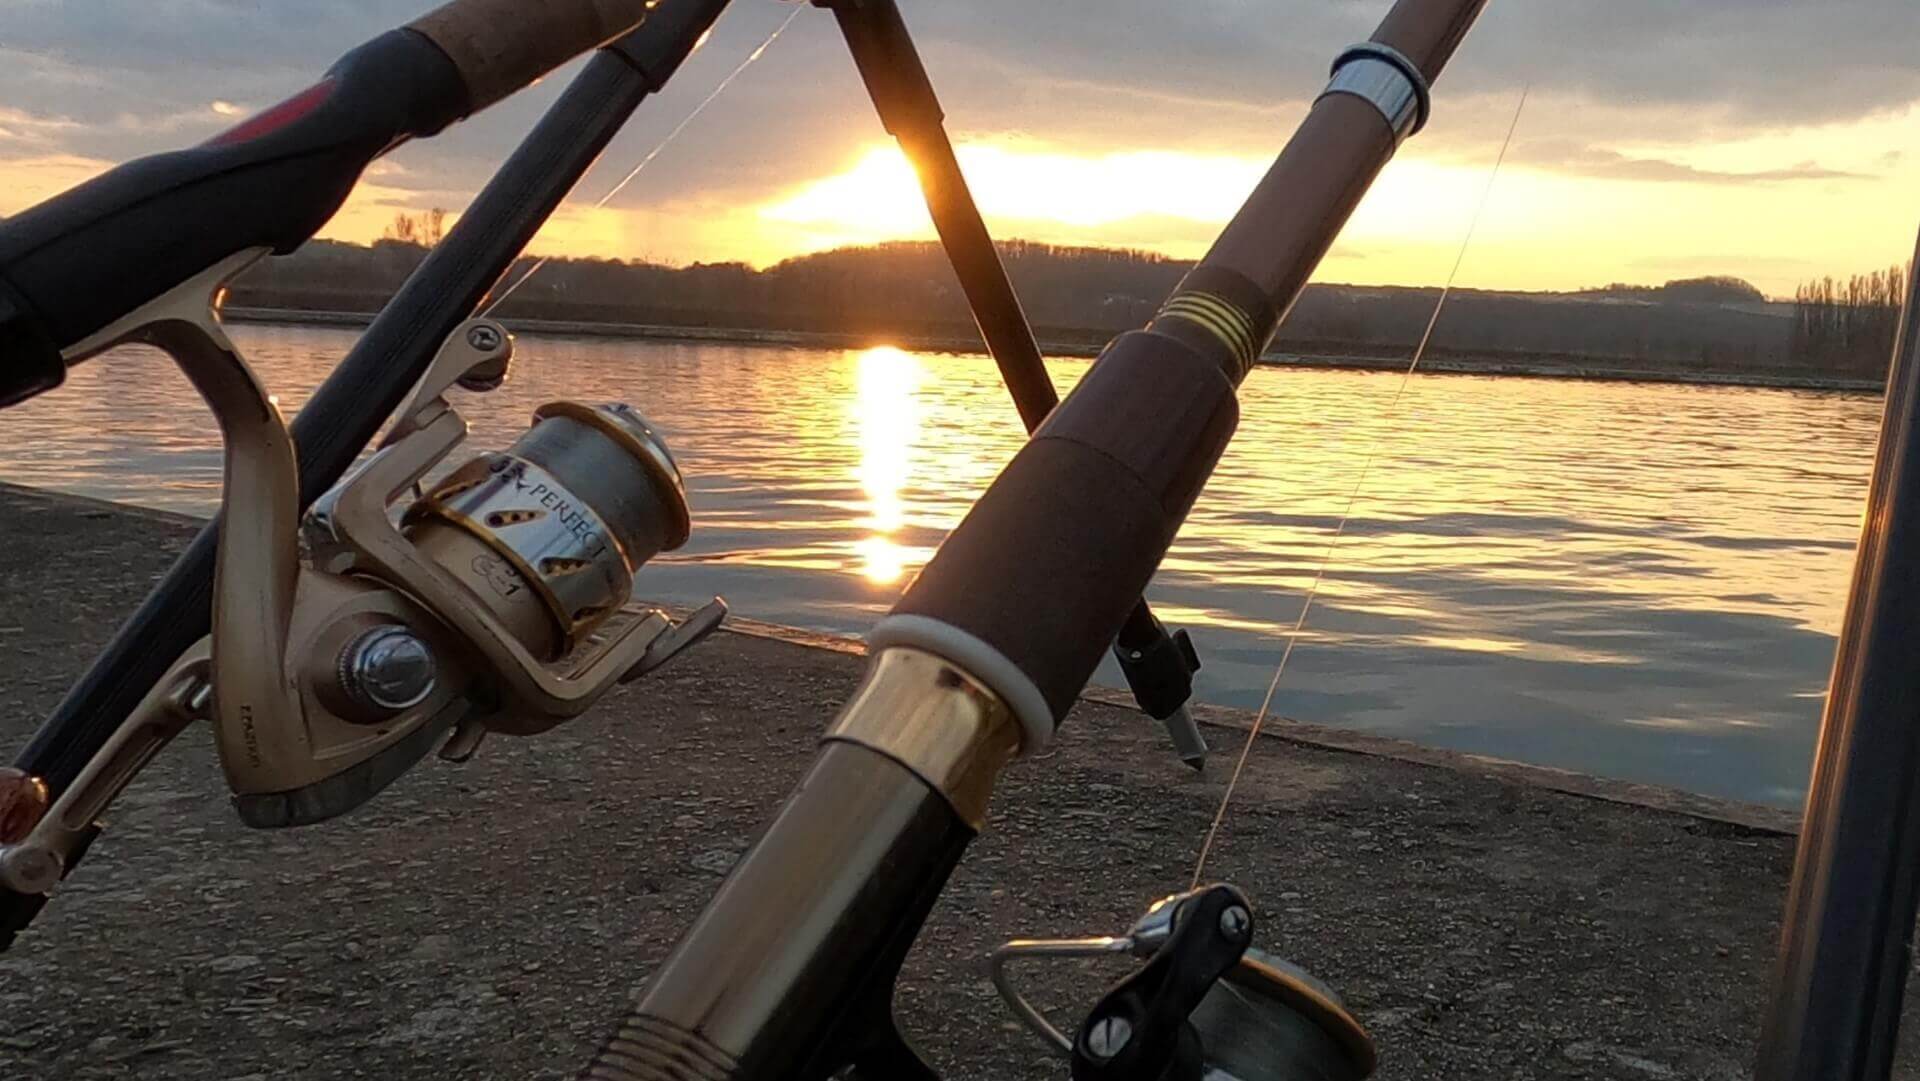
x=1551, y=570
x=886, y=412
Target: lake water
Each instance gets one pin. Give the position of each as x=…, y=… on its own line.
x=1638, y=581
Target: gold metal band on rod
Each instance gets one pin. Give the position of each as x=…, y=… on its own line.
x=944, y=725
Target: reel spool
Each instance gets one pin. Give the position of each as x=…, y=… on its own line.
x=1268, y=1020
x=1206, y=1006
x=548, y=533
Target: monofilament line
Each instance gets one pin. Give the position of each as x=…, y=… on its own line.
x=1353, y=498
x=657, y=148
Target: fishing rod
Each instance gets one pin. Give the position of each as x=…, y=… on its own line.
x=1846, y=937
x=981, y=659
x=74, y=264
x=406, y=338
x=1158, y=664
x=462, y=273
x=347, y=409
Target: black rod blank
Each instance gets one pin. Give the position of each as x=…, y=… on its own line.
x=903, y=95
x=1846, y=939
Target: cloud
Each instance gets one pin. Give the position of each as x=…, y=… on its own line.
x=1638, y=80
x=1745, y=264
x=1605, y=164
x=1720, y=65
x=1069, y=68
x=1732, y=64
x=21, y=129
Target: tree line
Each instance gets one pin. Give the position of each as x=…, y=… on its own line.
x=424, y=229
x=1084, y=295
x=1850, y=323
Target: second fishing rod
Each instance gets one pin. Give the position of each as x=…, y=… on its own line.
x=789, y=972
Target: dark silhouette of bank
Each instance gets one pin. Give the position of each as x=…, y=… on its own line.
x=1079, y=297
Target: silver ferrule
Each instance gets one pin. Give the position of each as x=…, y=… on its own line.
x=1386, y=79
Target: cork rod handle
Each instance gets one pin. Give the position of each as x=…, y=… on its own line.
x=501, y=46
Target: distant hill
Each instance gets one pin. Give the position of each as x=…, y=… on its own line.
x=1717, y=289
x=1086, y=295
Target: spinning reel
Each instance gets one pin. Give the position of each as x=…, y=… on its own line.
x=1205, y=1006
x=393, y=618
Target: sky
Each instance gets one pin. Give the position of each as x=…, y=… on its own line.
x=1659, y=138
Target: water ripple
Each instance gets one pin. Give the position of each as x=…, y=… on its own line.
x=1635, y=580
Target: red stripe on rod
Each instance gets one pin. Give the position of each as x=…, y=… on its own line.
x=283, y=115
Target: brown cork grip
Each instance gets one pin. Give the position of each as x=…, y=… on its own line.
x=1427, y=31
x=501, y=46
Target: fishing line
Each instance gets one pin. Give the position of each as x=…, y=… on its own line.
x=657, y=148
x=1353, y=498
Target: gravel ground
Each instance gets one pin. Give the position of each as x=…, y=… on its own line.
x=490, y=920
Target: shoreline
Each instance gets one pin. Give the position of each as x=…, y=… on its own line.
x=490, y=919
x=1765, y=818
x=1598, y=371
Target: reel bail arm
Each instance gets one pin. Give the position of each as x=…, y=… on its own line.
x=1139, y=1031
x=1206, y=1004
x=45, y=843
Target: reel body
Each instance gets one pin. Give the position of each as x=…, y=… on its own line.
x=391, y=618
x=1206, y=1005
x=476, y=611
